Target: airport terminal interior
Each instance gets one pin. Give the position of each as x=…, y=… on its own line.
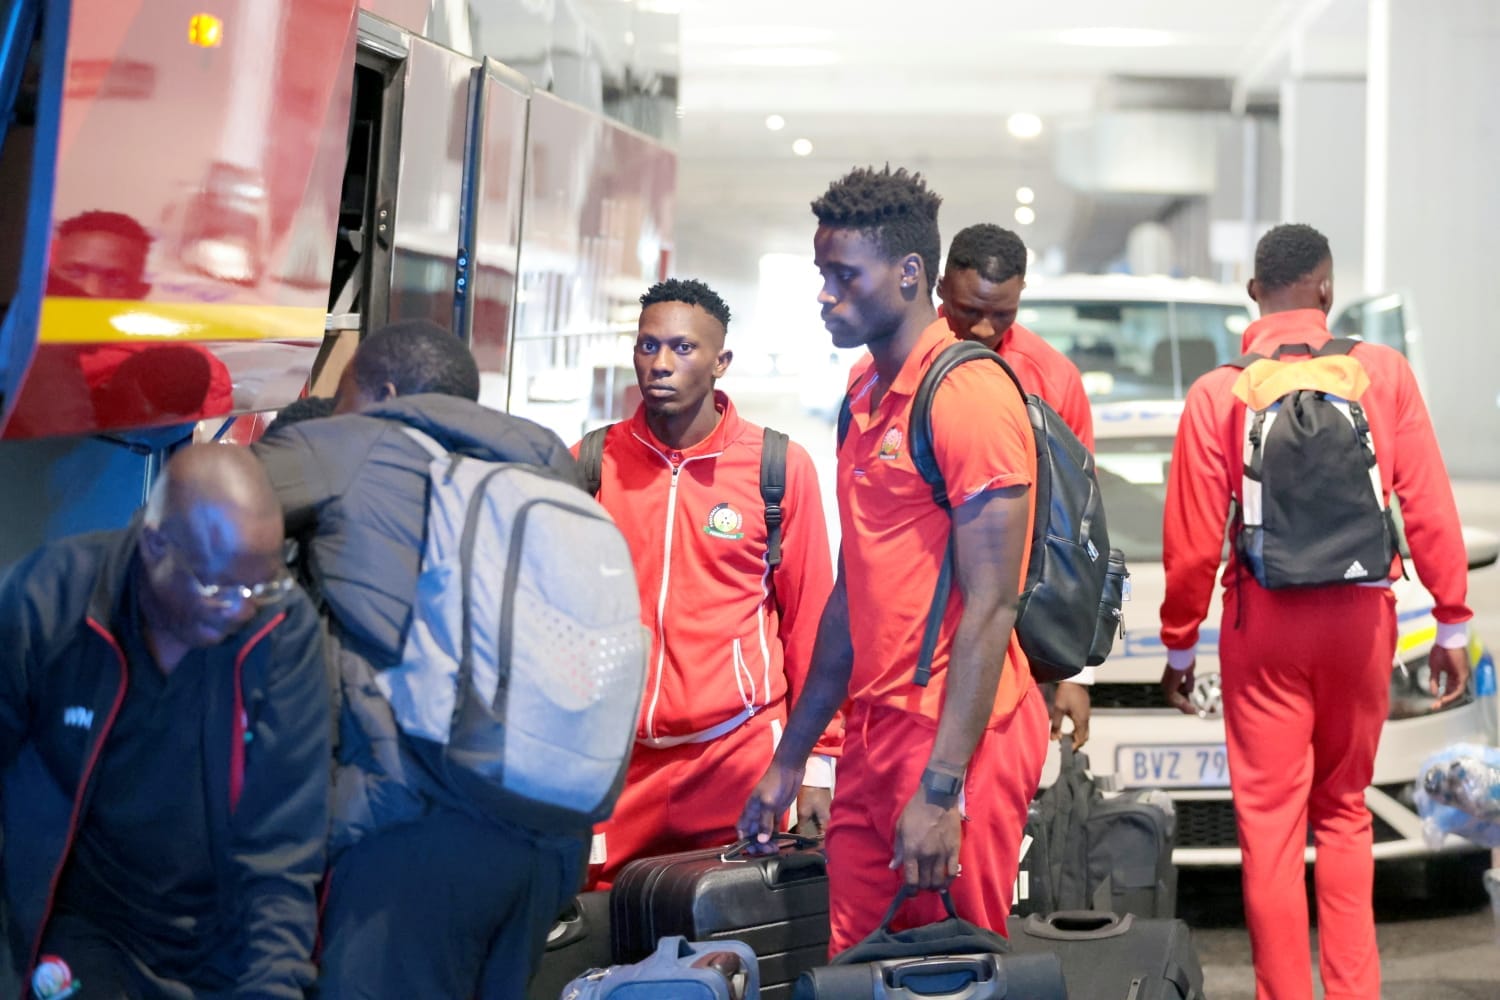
x=210, y=207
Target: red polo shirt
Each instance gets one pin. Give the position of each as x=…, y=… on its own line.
x=894, y=535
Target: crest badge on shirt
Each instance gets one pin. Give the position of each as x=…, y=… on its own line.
x=890, y=445
x=53, y=980
x=725, y=522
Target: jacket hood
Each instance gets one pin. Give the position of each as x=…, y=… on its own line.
x=472, y=429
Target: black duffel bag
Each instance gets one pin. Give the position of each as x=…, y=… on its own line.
x=952, y=958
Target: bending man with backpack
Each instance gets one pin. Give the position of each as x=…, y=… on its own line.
x=940, y=763
x=1298, y=446
x=429, y=893
x=730, y=546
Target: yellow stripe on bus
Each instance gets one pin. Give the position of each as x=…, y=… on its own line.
x=67, y=320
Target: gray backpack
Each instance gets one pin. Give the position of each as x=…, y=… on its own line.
x=522, y=670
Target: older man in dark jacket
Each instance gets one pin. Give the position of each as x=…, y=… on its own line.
x=163, y=740
x=428, y=897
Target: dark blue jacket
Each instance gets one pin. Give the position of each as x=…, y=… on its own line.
x=63, y=678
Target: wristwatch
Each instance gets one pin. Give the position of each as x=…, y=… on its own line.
x=942, y=789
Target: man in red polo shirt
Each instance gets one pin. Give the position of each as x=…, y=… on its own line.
x=981, y=293
x=1306, y=670
x=934, y=781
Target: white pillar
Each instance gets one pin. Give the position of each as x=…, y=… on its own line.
x=1322, y=170
x=1432, y=221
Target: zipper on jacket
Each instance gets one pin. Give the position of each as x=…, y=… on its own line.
x=661, y=597
x=83, y=783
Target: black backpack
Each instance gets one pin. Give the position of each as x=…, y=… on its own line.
x=772, y=478
x=1309, y=510
x=1070, y=608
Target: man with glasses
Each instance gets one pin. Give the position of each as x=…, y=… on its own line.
x=164, y=744
x=426, y=898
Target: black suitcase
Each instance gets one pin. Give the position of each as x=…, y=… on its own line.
x=1106, y=956
x=777, y=904
x=578, y=942
x=951, y=977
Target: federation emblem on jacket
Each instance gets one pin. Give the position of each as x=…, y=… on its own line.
x=725, y=522
x=890, y=445
x=53, y=980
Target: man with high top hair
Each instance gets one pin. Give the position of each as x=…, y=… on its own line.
x=935, y=780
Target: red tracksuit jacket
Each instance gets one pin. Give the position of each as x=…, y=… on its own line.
x=1046, y=372
x=729, y=637
x=1208, y=462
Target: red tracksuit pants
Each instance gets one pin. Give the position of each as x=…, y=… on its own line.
x=885, y=751
x=684, y=798
x=1306, y=682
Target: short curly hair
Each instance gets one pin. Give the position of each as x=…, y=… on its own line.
x=894, y=206
x=691, y=292
x=1289, y=253
x=415, y=356
x=997, y=254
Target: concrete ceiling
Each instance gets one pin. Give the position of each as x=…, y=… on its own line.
x=931, y=87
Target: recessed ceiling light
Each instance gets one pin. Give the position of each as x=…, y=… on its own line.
x=1116, y=38
x=1024, y=125
x=1024, y=215
x=1025, y=195
x=775, y=123
x=802, y=147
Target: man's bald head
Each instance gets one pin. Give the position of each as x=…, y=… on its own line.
x=212, y=521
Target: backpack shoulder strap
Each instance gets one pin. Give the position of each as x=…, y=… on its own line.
x=920, y=428
x=1337, y=346
x=846, y=417
x=773, y=447
x=1245, y=360
x=591, y=458
x=919, y=431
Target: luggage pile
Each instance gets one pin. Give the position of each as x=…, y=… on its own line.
x=723, y=925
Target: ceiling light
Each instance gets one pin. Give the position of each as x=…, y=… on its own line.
x=629, y=38
x=1025, y=195
x=781, y=57
x=802, y=147
x=775, y=123
x=1116, y=38
x=1024, y=125
x=1024, y=215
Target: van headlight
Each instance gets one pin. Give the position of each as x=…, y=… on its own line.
x=1411, y=697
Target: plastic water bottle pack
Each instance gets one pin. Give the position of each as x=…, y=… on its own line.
x=1458, y=792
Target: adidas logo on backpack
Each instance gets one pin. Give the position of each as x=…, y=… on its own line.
x=1311, y=510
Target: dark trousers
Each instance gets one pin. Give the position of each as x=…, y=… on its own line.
x=103, y=969
x=444, y=907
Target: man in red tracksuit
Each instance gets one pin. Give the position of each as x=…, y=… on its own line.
x=1306, y=671
x=934, y=781
x=981, y=294
x=731, y=638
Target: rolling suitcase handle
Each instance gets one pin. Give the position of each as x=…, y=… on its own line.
x=1078, y=925
x=940, y=977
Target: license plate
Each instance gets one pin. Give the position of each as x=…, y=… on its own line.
x=1177, y=765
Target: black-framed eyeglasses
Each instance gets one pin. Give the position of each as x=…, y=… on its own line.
x=228, y=595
